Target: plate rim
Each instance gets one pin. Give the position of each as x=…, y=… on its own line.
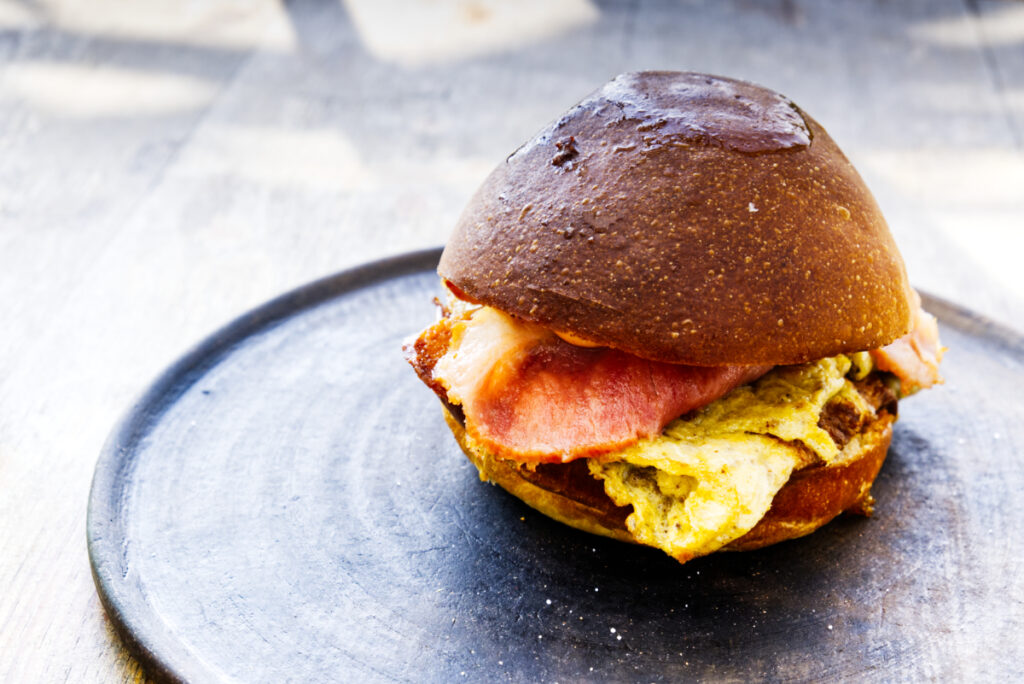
x=164, y=656
x=162, y=653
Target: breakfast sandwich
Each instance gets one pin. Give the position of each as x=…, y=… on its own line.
x=676, y=317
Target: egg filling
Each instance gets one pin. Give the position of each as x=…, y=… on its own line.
x=711, y=476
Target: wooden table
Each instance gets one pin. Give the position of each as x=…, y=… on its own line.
x=165, y=167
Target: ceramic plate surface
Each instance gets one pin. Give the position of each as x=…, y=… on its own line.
x=286, y=504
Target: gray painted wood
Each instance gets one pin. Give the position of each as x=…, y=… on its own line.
x=162, y=172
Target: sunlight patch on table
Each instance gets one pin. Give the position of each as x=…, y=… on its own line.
x=1000, y=26
x=972, y=196
x=239, y=24
x=949, y=177
x=421, y=33
x=85, y=91
x=991, y=238
x=314, y=159
x=15, y=15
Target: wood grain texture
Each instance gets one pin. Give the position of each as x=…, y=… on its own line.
x=160, y=173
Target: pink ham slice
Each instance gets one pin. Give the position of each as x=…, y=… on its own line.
x=914, y=358
x=530, y=396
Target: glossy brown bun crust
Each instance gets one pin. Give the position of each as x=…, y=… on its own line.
x=685, y=218
x=812, y=496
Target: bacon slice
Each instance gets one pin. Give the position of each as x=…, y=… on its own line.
x=914, y=358
x=528, y=395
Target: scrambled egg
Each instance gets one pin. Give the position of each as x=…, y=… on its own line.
x=711, y=476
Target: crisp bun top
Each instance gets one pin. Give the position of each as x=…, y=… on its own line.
x=685, y=218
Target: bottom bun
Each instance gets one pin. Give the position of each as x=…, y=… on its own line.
x=810, y=498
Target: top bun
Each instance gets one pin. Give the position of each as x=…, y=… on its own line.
x=685, y=218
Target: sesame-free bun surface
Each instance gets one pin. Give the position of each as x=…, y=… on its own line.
x=685, y=218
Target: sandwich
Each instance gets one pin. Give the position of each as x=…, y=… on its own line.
x=676, y=317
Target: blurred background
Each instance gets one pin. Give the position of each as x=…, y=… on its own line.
x=166, y=165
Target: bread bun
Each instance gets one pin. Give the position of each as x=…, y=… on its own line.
x=810, y=498
x=685, y=218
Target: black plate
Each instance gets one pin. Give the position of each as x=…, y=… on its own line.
x=285, y=503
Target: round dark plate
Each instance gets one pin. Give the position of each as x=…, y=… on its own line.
x=286, y=504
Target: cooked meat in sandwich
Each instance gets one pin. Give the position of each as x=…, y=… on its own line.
x=676, y=317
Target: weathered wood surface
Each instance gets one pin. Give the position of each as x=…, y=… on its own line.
x=163, y=169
